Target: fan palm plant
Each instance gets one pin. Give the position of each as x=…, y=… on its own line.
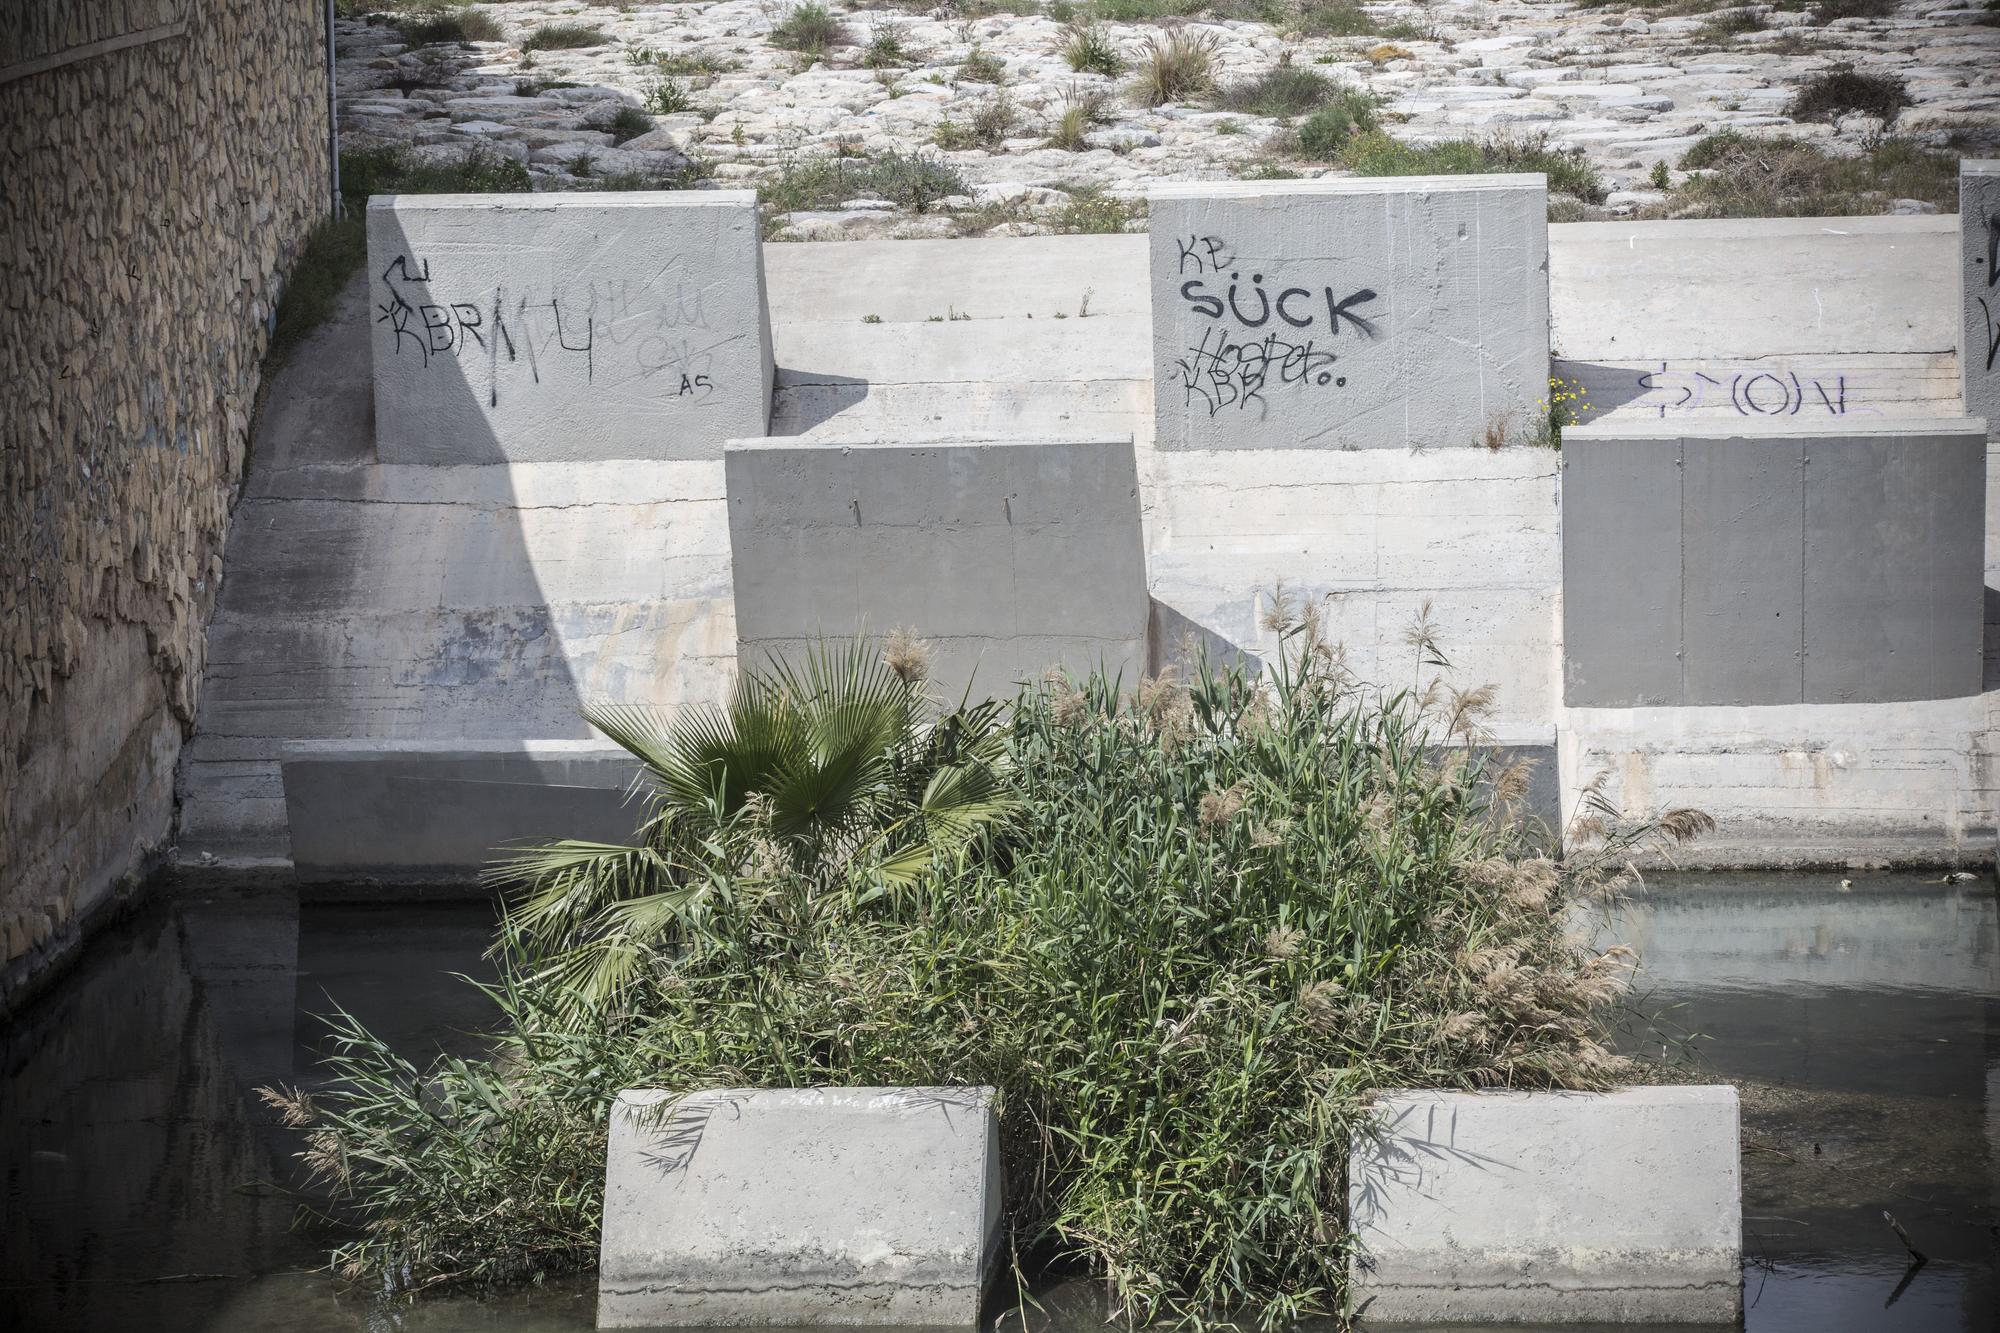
x=830, y=775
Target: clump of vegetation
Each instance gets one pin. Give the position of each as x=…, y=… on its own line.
x=1567, y=404
x=1375, y=153
x=670, y=97
x=1724, y=28
x=989, y=127
x=1083, y=110
x=916, y=181
x=1335, y=18
x=886, y=48
x=1184, y=931
x=1740, y=176
x=441, y=23
x=564, y=37
x=1845, y=89
x=1826, y=11
x=629, y=123
x=1093, y=213
x=1405, y=30
x=982, y=67
x=1328, y=130
x=810, y=29
x=1283, y=91
x=1088, y=49
x=1178, y=66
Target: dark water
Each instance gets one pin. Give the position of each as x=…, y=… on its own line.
x=1861, y=1025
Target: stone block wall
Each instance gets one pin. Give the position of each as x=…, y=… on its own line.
x=164, y=162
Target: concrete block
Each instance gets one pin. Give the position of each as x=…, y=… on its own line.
x=1010, y=555
x=1979, y=288
x=794, y=1207
x=567, y=327
x=1349, y=313
x=417, y=811
x=1559, y=1207
x=1765, y=563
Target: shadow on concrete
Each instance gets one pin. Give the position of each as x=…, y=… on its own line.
x=1989, y=672
x=394, y=605
x=803, y=399
x=1177, y=641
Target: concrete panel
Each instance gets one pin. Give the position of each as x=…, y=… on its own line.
x=1621, y=543
x=1871, y=554
x=407, y=811
x=1010, y=555
x=1742, y=547
x=565, y=327
x=1979, y=288
x=1559, y=1207
x=795, y=1207
x=1895, y=564
x=1349, y=313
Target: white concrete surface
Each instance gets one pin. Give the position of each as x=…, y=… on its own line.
x=534, y=327
x=1350, y=313
x=799, y=1207
x=1979, y=288
x=1009, y=556
x=1560, y=1207
x=367, y=601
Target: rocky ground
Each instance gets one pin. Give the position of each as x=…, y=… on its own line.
x=1628, y=87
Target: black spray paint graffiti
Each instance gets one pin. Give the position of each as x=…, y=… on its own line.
x=519, y=333
x=1986, y=306
x=1232, y=363
x=1755, y=393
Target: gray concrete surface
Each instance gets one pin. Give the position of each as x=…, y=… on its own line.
x=1349, y=313
x=1561, y=1207
x=1979, y=288
x=516, y=328
x=423, y=812
x=1008, y=556
x=1760, y=562
x=796, y=1207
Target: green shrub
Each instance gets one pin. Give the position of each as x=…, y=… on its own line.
x=809, y=28
x=463, y=23
x=981, y=67
x=1178, y=66
x=630, y=123
x=1740, y=176
x=1083, y=110
x=1375, y=153
x=391, y=169
x=1324, y=133
x=670, y=97
x=1184, y=930
x=914, y=180
x=1826, y=11
x=1285, y=90
x=1089, y=213
x=564, y=37
x=886, y=48
x=1721, y=30
x=1844, y=89
x=1088, y=49
x=1336, y=18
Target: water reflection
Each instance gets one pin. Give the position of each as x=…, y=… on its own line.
x=1859, y=1022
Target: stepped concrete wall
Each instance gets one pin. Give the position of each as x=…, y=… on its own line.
x=165, y=160
x=487, y=602
x=1979, y=288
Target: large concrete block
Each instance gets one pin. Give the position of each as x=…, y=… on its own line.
x=1557, y=1207
x=1350, y=313
x=1979, y=288
x=797, y=1207
x=1011, y=556
x=1766, y=563
x=424, y=811
x=566, y=327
